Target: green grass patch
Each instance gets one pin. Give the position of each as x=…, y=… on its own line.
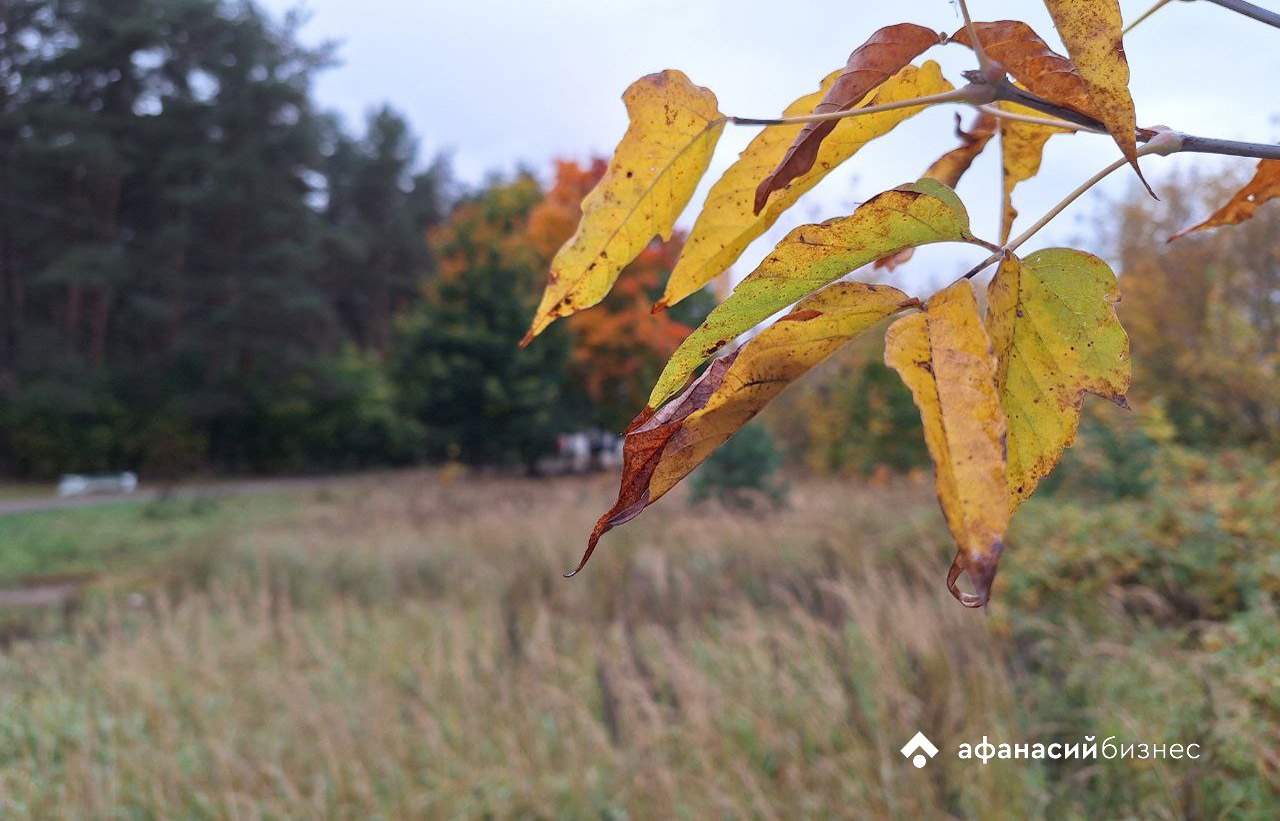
x=117, y=536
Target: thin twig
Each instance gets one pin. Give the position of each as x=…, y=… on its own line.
x=959, y=95
x=986, y=65
x=1159, y=5
x=996, y=111
x=1165, y=142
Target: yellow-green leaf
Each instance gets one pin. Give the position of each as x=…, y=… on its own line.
x=1053, y=324
x=1091, y=31
x=654, y=171
x=661, y=449
x=728, y=222
x=1021, y=150
x=814, y=255
x=944, y=356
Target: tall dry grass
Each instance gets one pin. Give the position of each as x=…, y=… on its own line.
x=410, y=650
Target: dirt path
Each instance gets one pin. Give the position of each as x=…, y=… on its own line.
x=248, y=487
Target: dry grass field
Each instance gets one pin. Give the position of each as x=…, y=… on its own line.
x=407, y=649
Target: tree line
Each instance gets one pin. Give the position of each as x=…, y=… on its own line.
x=202, y=269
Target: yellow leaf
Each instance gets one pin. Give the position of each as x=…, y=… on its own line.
x=1091, y=31
x=654, y=171
x=814, y=255
x=944, y=356
x=662, y=448
x=1021, y=149
x=1053, y=324
x=728, y=222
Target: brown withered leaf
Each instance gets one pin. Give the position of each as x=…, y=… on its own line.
x=1030, y=61
x=642, y=448
x=887, y=52
x=665, y=447
x=1264, y=186
x=950, y=167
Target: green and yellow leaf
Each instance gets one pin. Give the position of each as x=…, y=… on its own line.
x=654, y=171
x=884, y=54
x=661, y=449
x=729, y=223
x=1092, y=33
x=1053, y=324
x=812, y=256
x=945, y=358
x=1264, y=186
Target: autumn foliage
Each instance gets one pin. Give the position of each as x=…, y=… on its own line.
x=999, y=390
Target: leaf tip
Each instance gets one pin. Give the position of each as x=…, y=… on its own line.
x=659, y=306
x=981, y=570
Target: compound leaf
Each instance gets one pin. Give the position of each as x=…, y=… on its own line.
x=729, y=223
x=812, y=256
x=1054, y=328
x=674, y=129
x=945, y=358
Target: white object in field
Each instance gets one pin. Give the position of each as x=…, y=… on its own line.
x=74, y=484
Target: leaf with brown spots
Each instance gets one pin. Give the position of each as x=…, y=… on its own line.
x=1264, y=186
x=1092, y=32
x=728, y=223
x=654, y=171
x=662, y=449
x=883, y=55
x=812, y=256
x=944, y=356
x=1053, y=324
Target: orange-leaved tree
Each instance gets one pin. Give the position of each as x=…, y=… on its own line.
x=999, y=393
x=621, y=346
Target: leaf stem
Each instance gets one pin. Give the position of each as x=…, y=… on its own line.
x=1159, y=5
x=996, y=111
x=1250, y=10
x=986, y=66
x=1165, y=142
x=958, y=95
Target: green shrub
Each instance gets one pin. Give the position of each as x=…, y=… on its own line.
x=741, y=472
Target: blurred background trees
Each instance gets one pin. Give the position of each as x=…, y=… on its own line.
x=200, y=269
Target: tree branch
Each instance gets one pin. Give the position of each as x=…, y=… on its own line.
x=1250, y=10
x=973, y=94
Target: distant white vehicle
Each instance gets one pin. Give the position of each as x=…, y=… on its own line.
x=74, y=484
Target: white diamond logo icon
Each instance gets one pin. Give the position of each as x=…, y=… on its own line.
x=917, y=748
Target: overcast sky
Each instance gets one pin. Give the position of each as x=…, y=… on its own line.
x=501, y=83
